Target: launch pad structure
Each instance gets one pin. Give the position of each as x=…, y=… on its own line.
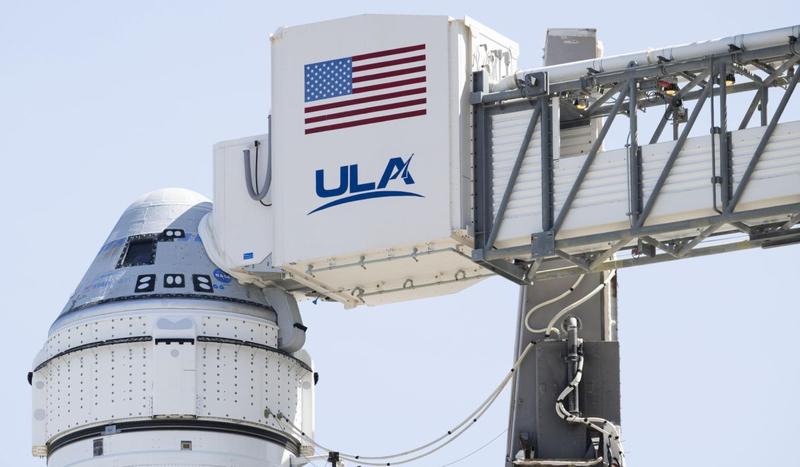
x=187, y=324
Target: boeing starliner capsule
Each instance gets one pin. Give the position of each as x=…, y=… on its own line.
x=160, y=358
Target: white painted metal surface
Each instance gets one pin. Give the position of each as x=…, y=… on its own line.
x=160, y=358
x=154, y=379
x=401, y=221
x=362, y=245
x=169, y=448
x=602, y=203
x=242, y=228
x=574, y=70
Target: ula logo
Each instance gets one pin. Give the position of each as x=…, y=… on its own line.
x=350, y=189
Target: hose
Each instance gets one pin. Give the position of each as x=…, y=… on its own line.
x=613, y=443
x=453, y=433
x=548, y=302
x=551, y=325
x=248, y=175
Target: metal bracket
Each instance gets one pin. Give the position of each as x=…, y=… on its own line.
x=535, y=84
x=543, y=244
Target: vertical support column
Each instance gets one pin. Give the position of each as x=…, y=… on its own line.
x=725, y=163
x=534, y=426
x=763, y=105
x=483, y=166
x=547, y=162
x=634, y=156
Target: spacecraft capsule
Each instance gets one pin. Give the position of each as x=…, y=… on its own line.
x=162, y=358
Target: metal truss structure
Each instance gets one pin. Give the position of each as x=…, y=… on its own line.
x=630, y=92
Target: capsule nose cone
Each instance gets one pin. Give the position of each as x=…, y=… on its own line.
x=155, y=251
x=169, y=196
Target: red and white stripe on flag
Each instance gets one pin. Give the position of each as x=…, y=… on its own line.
x=385, y=85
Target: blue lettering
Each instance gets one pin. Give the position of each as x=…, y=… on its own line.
x=322, y=192
x=354, y=185
x=396, y=168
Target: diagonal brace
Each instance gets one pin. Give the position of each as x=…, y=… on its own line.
x=762, y=145
x=512, y=179
x=668, y=249
x=600, y=259
x=685, y=249
x=673, y=156
x=587, y=164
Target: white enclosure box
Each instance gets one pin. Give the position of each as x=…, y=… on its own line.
x=242, y=227
x=371, y=159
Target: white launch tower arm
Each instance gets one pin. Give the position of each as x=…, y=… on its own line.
x=427, y=161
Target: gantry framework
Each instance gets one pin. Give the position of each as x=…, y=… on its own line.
x=630, y=92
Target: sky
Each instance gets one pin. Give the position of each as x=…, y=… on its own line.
x=103, y=101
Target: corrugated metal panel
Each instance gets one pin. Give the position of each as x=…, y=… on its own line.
x=688, y=189
x=603, y=197
x=524, y=212
x=602, y=203
x=776, y=178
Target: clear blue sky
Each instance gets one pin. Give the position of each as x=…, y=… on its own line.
x=103, y=101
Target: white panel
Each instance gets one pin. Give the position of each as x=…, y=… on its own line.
x=603, y=197
x=163, y=449
x=523, y=213
x=240, y=382
x=390, y=275
x=96, y=330
x=368, y=224
x=98, y=384
x=101, y=383
x=307, y=402
x=174, y=379
x=430, y=203
x=687, y=192
x=233, y=207
x=776, y=178
x=602, y=203
x=241, y=328
x=39, y=414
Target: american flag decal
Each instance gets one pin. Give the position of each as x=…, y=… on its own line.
x=363, y=89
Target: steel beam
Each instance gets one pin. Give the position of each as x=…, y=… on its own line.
x=602, y=99
x=781, y=70
x=662, y=124
x=729, y=218
x=483, y=166
x=695, y=81
x=725, y=161
x=661, y=69
x=670, y=250
x=750, y=110
x=641, y=261
x=794, y=219
x=547, y=163
x=583, y=265
x=602, y=257
x=634, y=156
x=685, y=249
